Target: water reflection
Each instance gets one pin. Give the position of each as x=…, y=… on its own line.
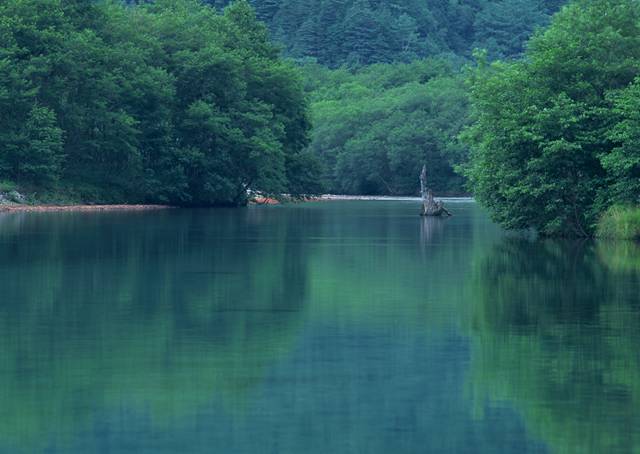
x=342, y=327
x=431, y=228
x=620, y=256
x=108, y=312
x=319, y=328
x=555, y=333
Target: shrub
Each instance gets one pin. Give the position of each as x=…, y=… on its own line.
x=7, y=186
x=620, y=222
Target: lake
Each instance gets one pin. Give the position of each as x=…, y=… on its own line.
x=327, y=327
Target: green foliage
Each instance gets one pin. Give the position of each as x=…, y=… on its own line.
x=164, y=102
x=362, y=32
x=555, y=328
x=174, y=102
x=620, y=222
x=36, y=155
x=7, y=186
x=376, y=127
x=553, y=135
x=503, y=26
x=622, y=164
x=620, y=256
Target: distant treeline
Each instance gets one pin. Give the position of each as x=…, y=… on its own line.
x=361, y=32
x=375, y=128
x=168, y=101
x=386, y=83
x=186, y=102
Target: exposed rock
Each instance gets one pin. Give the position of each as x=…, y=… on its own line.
x=15, y=196
x=261, y=200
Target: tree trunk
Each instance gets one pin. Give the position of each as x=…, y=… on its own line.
x=430, y=207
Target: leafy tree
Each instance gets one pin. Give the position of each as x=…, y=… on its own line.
x=541, y=140
x=622, y=164
x=168, y=101
x=40, y=154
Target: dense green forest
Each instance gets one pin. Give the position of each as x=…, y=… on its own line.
x=165, y=102
x=361, y=32
x=386, y=81
x=187, y=102
x=555, y=136
x=376, y=127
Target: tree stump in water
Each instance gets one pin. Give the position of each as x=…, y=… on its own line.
x=430, y=207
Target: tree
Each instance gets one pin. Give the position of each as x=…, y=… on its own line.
x=541, y=126
x=503, y=27
x=622, y=164
x=165, y=101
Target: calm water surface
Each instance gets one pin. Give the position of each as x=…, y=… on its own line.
x=343, y=327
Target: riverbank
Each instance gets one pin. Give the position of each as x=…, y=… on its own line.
x=82, y=208
x=8, y=206
x=330, y=197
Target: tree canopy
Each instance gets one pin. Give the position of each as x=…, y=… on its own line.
x=374, y=129
x=554, y=137
x=167, y=101
x=361, y=32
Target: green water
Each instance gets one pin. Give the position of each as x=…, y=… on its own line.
x=343, y=327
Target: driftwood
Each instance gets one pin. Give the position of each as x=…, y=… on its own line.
x=430, y=207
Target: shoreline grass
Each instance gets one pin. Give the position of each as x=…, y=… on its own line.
x=620, y=222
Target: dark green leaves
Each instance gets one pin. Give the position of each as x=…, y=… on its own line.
x=553, y=135
x=168, y=101
x=376, y=128
x=363, y=32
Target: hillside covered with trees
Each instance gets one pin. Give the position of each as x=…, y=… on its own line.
x=386, y=80
x=166, y=102
x=374, y=128
x=195, y=102
x=190, y=102
x=361, y=32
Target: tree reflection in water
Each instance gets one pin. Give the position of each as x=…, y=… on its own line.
x=109, y=310
x=556, y=331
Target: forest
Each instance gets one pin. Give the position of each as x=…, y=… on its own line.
x=375, y=127
x=531, y=106
x=554, y=137
x=167, y=102
x=361, y=32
